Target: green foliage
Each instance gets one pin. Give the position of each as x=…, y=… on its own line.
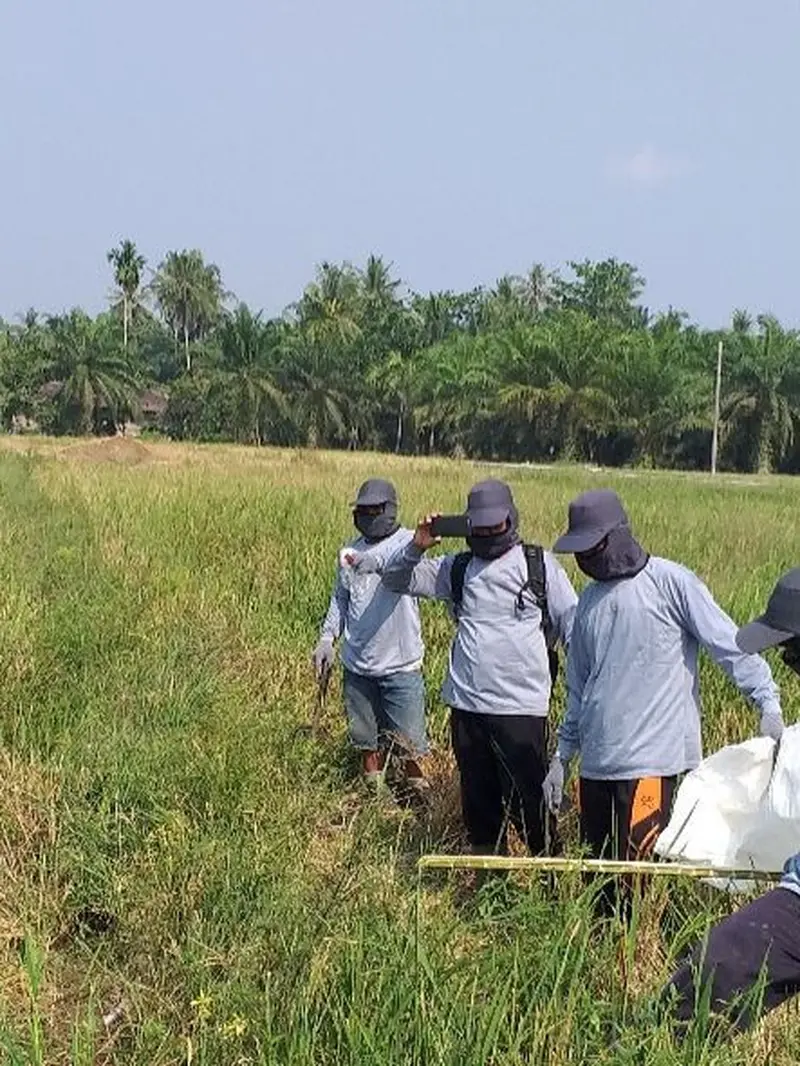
x=540, y=367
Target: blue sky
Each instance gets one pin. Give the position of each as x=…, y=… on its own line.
x=460, y=139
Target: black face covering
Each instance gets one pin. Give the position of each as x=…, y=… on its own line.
x=496, y=544
x=377, y=527
x=620, y=556
x=791, y=654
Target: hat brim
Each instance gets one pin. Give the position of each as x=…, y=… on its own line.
x=487, y=517
x=758, y=636
x=575, y=543
x=371, y=499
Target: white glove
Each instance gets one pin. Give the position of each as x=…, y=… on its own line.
x=323, y=657
x=772, y=725
x=553, y=784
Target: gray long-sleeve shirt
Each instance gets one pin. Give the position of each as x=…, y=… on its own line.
x=380, y=628
x=498, y=658
x=633, y=704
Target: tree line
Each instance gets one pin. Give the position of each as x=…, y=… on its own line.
x=550, y=366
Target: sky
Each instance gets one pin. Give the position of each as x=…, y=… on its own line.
x=459, y=139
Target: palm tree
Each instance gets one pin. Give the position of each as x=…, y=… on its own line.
x=92, y=378
x=128, y=266
x=567, y=357
x=328, y=309
x=452, y=382
x=190, y=296
x=765, y=399
x=246, y=344
x=311, y=375
x=394, y=378
x=505, y=305
x=662, y=391
x=377, y=285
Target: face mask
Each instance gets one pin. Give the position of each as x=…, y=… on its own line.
x=377, y=526
x=621, y=555
x=495, y=544
x=791, y=654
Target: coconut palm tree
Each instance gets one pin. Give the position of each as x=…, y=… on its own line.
x=128, y=265
x=377, y=285
x=328, y=310
x=190, y=296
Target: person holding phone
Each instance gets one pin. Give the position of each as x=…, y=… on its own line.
x=508, y=600
x=382, y=649
x=750, y=963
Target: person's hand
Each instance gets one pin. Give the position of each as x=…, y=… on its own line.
x=364, y=563
x=772, y=725
x=553, y=785
x=423, y=537
x=323, y=657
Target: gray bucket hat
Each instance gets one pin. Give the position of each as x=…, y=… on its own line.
x=375, y=492
x=781, y=620
x=489, y=503
x=592, y=516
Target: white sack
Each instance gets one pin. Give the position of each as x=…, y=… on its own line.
x=740, y=808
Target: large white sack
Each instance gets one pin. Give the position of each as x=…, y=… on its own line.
x=740, y=808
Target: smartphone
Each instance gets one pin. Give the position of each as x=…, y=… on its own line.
x=450, y=525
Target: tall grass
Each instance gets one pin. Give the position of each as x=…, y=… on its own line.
x=175, y=856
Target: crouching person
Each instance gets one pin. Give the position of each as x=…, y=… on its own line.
x=382, y=648
x=512, y=604
x=751, y=960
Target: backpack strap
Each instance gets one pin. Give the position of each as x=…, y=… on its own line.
x=537, y=586
x=458, y=572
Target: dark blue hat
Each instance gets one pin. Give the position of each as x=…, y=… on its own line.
x=592, y=516
x=781, y=620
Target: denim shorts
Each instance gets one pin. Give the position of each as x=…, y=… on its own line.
x=386, y=711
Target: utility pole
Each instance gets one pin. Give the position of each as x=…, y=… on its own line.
x=715, y=433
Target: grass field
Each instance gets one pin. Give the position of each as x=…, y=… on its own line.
x=175, y=853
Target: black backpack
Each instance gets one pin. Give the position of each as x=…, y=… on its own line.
x=536, y=585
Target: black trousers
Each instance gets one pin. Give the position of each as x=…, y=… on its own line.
x=502, y=762
x=759, y=943
x=622, y=820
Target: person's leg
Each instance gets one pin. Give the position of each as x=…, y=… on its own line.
x=402, y=719
x=597, y=817
x=753, y=954
x=642, y=810
x=361, y=699
x=481, y=795
x=520, y=744
x=597, y=831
